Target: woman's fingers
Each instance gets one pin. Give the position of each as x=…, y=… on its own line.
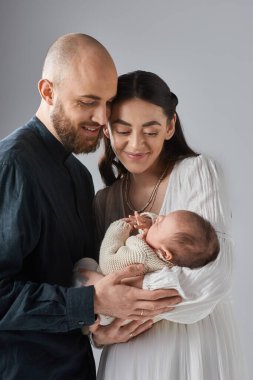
x=141, y=328
x=119, y=331
x=95, y=326
x=134, y=329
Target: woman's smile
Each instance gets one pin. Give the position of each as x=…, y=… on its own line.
x=135, y=156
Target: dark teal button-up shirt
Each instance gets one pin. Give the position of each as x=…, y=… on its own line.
x=45, y=227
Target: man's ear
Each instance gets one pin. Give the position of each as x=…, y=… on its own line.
x=171, y=127
x=106, y=131
x=45, y=88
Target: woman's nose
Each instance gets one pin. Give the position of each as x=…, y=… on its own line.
x=135, y=140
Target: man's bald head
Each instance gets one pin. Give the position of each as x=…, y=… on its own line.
x=79, y=81
x=69, y=49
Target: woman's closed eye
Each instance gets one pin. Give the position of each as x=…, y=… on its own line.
x=124, y=133
x=151, y=133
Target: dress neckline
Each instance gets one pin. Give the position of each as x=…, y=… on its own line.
x=171, y=175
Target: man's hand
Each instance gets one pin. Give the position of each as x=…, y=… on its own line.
x=136, y=281
x=119, y=300
x=117, y=331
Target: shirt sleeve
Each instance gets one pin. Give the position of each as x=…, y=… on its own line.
x=27, y=305
x=199, y=187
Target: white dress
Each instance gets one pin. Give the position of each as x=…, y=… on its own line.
x=198, y=339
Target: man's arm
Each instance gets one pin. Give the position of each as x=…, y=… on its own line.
x=27, y=305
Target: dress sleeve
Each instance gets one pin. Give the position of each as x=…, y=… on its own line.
x=198, y=187
x=27, y=305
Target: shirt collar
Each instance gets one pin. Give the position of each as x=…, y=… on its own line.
x=54, y=146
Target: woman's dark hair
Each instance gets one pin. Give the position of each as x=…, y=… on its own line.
x=150, y=88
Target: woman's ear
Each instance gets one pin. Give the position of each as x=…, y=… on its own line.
x=45, y=88
x=106, y=131
x=171, y=127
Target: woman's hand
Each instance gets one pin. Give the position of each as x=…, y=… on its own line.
x=117, y=331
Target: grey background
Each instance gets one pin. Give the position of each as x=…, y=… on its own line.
x=203, y=49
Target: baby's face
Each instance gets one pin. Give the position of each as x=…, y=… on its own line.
x=161, y=230
x=165, y=227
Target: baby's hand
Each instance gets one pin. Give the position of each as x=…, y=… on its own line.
x=143, y=222
x=139, y=222
x=131, y=221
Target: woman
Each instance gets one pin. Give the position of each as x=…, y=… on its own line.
x=148, y=166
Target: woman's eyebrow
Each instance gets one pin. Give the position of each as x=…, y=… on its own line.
x=149, y=123
x=120, y=121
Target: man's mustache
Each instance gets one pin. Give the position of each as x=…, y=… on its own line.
x=91, y=124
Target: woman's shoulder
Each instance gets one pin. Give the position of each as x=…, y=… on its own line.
x=201, y=164
x=110, y=198
x=108, y=205
x=109, y=191
x=201, y=159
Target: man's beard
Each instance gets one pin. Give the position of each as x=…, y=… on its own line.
x=69, y=136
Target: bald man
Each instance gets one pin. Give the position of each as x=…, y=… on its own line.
x=45, y=226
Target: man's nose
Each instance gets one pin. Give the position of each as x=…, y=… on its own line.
x=100, y=115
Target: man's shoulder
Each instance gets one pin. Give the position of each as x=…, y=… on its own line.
x=81, y=169
x=16, y=144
